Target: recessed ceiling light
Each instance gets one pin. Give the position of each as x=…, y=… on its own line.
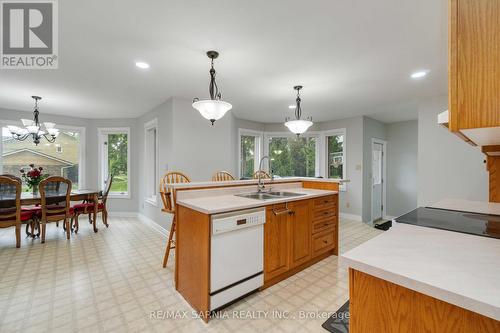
x=142, y=65
x=292, y=106
x=419, y=74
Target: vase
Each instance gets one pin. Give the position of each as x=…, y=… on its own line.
x=34, y=190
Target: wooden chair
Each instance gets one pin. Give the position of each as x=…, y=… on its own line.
x=55, y=201
x=34, y=209
x=10, y=206
x=168, y=199
x=263, y=175
x=88, y=207
x=222, y=176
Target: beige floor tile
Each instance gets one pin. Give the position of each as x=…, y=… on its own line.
x=112, y=281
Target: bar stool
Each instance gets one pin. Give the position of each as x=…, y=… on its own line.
x=222, y=176
x=168, y=199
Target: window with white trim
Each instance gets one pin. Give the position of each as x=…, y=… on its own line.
x=114, y=158
x=335, y=155
x=151, y=161
x=293, y=156
x=250, y=147
x=16, y=155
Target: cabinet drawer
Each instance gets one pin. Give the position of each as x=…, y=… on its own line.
x=323, y=242
x=322, y=225
x=321, y=214
x=324, y=202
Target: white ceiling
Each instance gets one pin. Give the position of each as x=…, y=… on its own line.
x=353, y=57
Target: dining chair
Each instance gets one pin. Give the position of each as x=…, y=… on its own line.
x=10, y=206
x=168, y=199
x=55, y=201
x=32, y=223
x=222, y=176
x=88, y=207
x=263, y=174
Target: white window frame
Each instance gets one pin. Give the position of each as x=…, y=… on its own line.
x=324, y=156
x=81, y=148
x=152, y=199
x=311, y=134
x=258, y=147
x=101, y=131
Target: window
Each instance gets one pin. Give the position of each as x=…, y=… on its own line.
x=335, y=155
x=293, y=156
x=18, y=155
x=151, y=161
x=114, y=158
x=250, y=148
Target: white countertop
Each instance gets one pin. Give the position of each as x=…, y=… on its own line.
x=491, y=208
x=460, y=269
x=221, y=203
x=254, y=182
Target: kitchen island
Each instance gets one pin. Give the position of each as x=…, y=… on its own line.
x=419, y=279
x=299, y=227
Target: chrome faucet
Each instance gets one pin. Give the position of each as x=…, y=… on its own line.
x=260, y=184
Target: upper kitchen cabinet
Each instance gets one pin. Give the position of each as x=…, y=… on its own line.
x=474, y=71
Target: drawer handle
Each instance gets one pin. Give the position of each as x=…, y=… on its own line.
x=325, y=224
x=325, y=241
x=325, y=213
x=326, y=201
x=283, y=211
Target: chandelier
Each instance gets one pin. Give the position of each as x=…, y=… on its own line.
x=32, y=128
x=297, y=125
x=214, y=108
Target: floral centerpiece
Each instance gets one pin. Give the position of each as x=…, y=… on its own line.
x=33, y=177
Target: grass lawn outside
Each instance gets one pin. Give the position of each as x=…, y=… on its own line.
x=120, y=183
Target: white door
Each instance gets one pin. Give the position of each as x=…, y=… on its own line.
x=377, y=180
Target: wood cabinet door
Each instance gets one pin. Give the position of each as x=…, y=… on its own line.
x=300, y=232
x=276, y=243
x=474, y=80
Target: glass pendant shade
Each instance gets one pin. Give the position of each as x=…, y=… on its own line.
x=212, y=109
x=298, y=126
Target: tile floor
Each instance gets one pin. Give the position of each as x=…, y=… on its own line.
x=113, y=281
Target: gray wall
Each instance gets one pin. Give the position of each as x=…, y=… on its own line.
x=372, y=129
x=187, y=143
x=447, y=166
x=402, y=157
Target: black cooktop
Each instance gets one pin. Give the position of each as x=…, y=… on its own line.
x=464, y=222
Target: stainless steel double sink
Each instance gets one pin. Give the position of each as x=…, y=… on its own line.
x=269, y=195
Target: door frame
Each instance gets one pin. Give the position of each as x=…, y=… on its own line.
x=384, y=177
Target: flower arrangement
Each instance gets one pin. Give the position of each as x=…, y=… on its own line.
x=33, y=177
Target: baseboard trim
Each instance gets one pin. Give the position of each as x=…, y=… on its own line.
x=123, y=214
x=352, y=217
x=152, y=224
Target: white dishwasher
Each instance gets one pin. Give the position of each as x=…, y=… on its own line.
x=236, y=255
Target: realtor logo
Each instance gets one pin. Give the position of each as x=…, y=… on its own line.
x=29, y=38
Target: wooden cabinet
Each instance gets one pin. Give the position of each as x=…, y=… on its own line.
x=276, y=241
x=474, y=64
x=297, y=235
x=474, y=79
x=300, y=231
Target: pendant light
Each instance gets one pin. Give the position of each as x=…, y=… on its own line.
x=214, y=108
x=298, y=125
x=33, y=129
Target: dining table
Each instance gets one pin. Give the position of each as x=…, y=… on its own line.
x=29, y=198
